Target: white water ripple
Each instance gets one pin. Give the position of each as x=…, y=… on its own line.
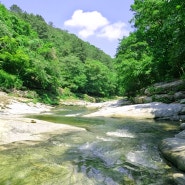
x=121, y=133
x=73, y=115
x=104, y=139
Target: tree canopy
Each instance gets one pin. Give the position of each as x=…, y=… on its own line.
x=155, y=51
x=37, y=56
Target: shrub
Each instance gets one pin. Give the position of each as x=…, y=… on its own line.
x=8, y=81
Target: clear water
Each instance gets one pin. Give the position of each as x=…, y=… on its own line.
x=110, y=152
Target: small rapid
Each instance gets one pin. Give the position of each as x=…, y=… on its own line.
x=110, y=152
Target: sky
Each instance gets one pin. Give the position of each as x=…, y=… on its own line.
x=100, y=22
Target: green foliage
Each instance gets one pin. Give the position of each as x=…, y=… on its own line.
x=46, y=99
x=37, y=24
x=72, y=70
x=89, y=98
x=16, y=9
x=162, y=26
x=155, y=51
x=4, y=30
x=100, y=80
x=65, y=93
x=37, y=57
x=133, y=63
x=8, y=81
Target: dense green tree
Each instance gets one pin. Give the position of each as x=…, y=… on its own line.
x=161, y=24
x=4, y=30
x=100, y=80
x=134, y=65
x=72, y=70
x=16, y=9
x=154, y=52
x=8, y=81
x=37, y=23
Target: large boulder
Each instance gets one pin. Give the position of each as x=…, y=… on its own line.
x=173, y=149
x=142, y=99
x=179, y=178
x=164, y=88
x=165, y=98
x=179, y=95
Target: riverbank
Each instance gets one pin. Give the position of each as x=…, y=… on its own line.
x=15, y=128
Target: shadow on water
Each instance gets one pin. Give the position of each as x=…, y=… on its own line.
x=110, y=152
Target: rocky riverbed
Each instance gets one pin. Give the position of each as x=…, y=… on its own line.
x=14, y=127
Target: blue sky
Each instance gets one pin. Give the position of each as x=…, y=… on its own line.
x=100, y=22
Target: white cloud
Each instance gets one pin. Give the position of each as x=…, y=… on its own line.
x=93, y=23
x=89, y=22
x=86, y=33
x=114, y=31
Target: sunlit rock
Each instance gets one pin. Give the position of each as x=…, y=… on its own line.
x=179, y=178
x=173, y=150
x=154, y=110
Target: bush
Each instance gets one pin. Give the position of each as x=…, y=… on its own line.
x=8, y=81
x=66, y=93
x=89, y=98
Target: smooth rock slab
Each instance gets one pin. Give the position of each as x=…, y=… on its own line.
x=148, y=110
x=173, y=149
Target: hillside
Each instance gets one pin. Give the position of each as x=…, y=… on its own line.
x=51, y=63
x=36, y=56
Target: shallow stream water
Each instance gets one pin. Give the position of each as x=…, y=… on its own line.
x=110, y=152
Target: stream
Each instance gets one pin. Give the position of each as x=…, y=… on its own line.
x=110, y=152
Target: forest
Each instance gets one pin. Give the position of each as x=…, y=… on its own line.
x=36, y=56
